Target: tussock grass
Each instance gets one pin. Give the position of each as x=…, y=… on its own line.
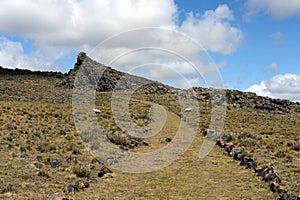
x=36, y=120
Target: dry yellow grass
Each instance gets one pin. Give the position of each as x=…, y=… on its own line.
x=35, y=115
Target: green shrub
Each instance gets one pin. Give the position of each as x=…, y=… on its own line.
x=82, y=172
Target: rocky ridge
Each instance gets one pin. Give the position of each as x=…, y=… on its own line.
x=27, y=72
x=243, y=100
x=106, y=79
x=110, y=78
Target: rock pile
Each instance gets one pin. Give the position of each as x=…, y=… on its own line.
x=240, y=99
x=268, y=174
x=76, y=184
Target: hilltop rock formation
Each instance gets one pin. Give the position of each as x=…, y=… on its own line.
x=238, y=99
x=105, y=78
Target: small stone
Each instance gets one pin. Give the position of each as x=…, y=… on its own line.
x=38, y=165
x=76, y=152
x=62, y=132
x=296, y=146
x=24, y=155
x=145, y=143
x=39, y=158
x=69, y=159
x=41, y=149
x=101, y=174
x=69, y=188
x=22, y=149
x=104, y=170
x=111, y=161
x=86, y=184
x=55, y=163
x=133, y=143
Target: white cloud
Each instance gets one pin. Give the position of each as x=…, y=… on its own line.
x=286, y=86
x=12, y=56
x=57, y=28
x=74, y=23
x=213, y=30
x=278, y=9
x=272, y=67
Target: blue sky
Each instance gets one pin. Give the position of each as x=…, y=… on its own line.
x=255, y=44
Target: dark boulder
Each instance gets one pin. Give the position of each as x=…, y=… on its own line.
x=133, y=143
x=104, y=170
x=237, y=153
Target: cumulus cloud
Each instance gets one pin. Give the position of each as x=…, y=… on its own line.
x=12, y=56
x=213, y=30
x=278, y=9
x=283, y=86
x=76, y=22
x=57, y=28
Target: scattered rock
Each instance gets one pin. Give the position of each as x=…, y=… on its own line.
x=240, y=100
x=296, y=146
x=111, y=160
x=39, y=158
x=62, y=132
x=104, y=170
x=284, y=196
x=41, y=149
x=145, y=143
x=74, y=185
x=55, y=163
x=22, y=149
x=38, y=165
x=76, y=152
x=237, y=153
x=24, y=155
x=86, y=184
x=133, y=143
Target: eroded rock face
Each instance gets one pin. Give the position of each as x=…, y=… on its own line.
x=104, y=78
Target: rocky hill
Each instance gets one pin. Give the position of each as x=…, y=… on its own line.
x=110, y=77
x=240, y=100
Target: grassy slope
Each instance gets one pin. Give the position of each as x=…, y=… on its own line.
x=36, y=113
